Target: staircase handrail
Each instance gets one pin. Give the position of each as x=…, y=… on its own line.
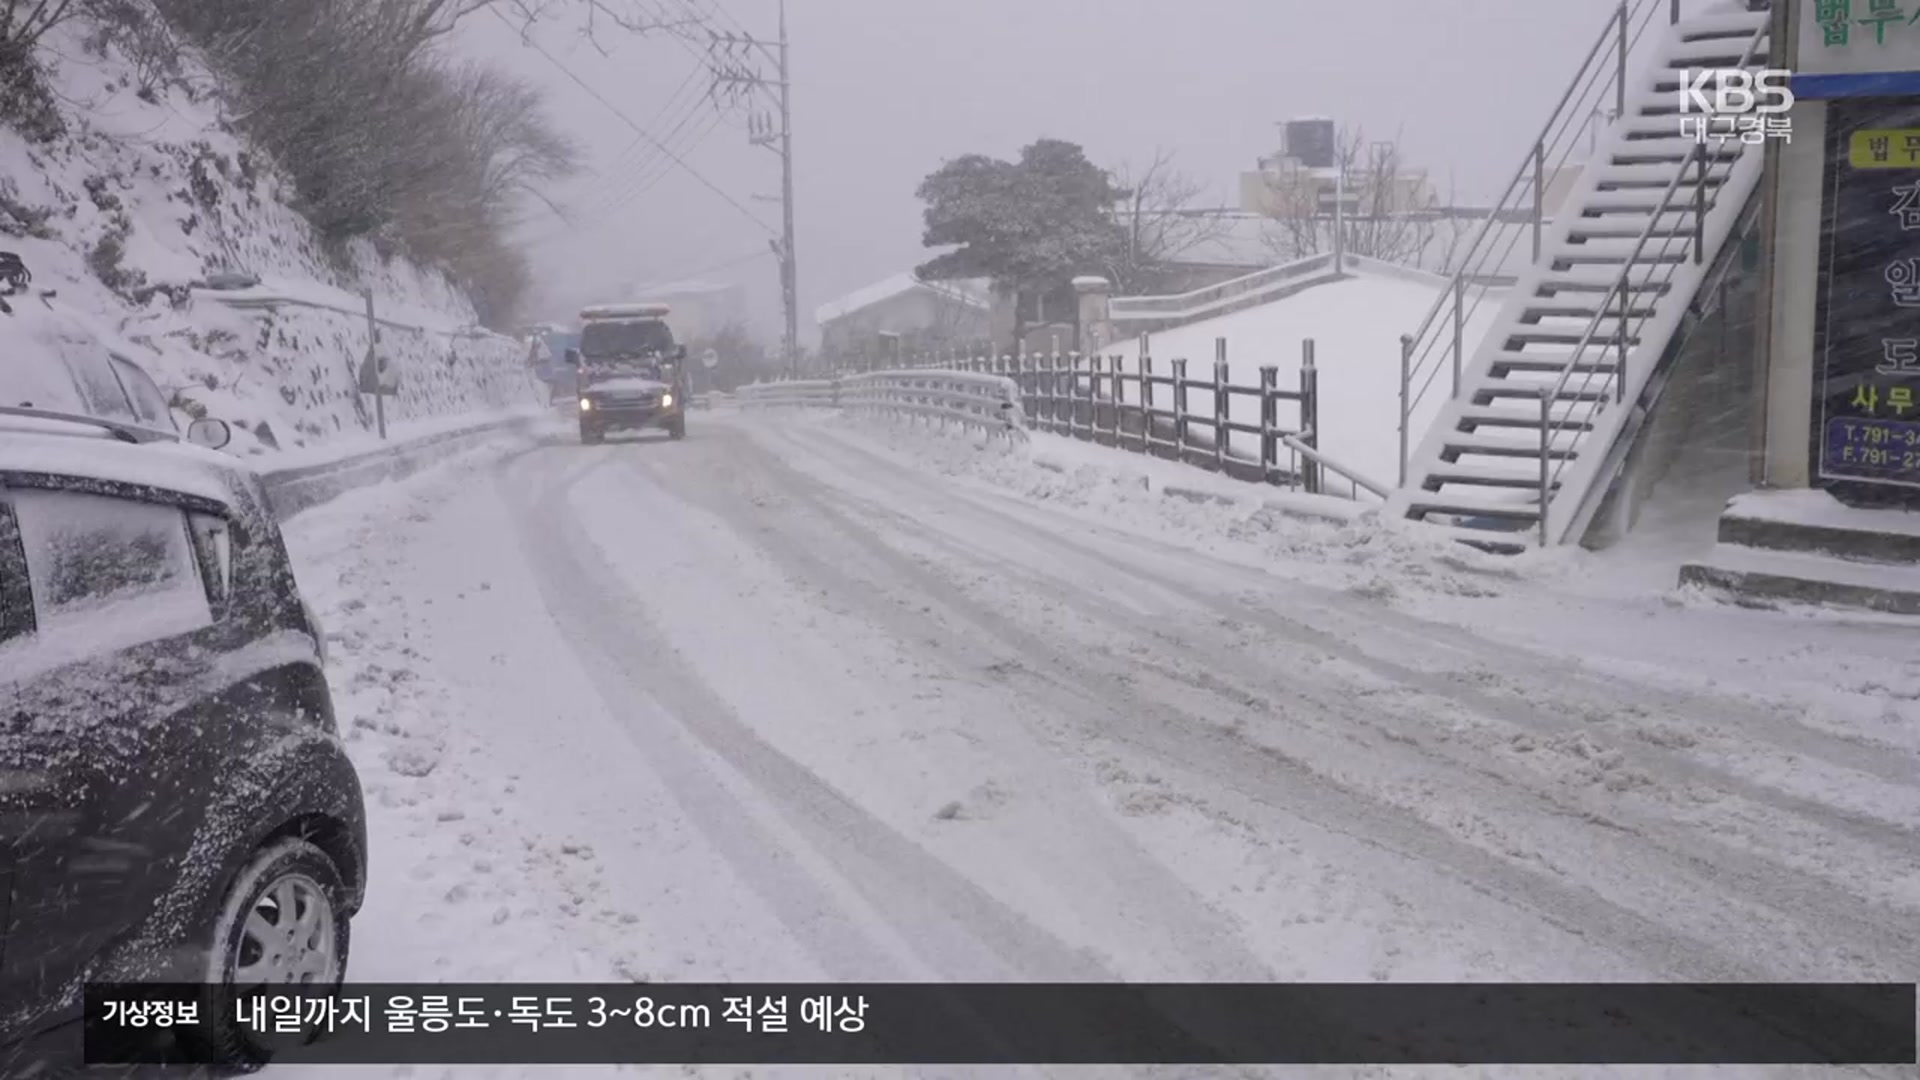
x=1624, y=30
x=1622, y=287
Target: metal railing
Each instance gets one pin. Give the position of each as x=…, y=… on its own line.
x=1440, y=342
x=1099, y=399
x=1191, y=305
x=988, y=402
x=1577, y=419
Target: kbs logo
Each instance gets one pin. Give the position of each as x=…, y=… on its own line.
x=1726, y=103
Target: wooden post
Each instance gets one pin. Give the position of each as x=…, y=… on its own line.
x=1221, y=417
x=1118, y=392
x=1269, y=421
x=1309, y=415
x=1146, y=403
x=1180, y=409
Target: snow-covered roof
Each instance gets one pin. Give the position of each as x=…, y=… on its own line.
x=972, y=293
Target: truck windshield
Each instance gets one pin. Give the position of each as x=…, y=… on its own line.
x=608, y=340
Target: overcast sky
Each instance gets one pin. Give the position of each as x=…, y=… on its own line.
x=885, y=90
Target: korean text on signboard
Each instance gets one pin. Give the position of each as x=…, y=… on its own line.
x=1858, y=36
x=1869, y=346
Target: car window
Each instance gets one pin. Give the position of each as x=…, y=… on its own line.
x=108, y=573
x=149, y=403
x=214, y=542
x=625, y=338
x=16, y=597
x=100, y=391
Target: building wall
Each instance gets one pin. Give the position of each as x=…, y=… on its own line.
x=921, y=313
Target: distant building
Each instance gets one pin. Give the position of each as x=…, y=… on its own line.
x=906, y=313
x=1304, y=177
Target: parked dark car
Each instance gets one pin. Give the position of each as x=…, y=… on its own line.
x=175, y=800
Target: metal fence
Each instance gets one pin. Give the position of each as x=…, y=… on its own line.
x=1146, y=409
x=972, y=399
x=1140, y=408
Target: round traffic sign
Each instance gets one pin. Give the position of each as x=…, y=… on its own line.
x=710, y=358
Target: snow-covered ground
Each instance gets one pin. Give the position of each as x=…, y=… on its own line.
x=1355, y=325
x=160, y=195
x=789, y=701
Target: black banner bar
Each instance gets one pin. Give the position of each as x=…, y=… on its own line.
x=1025, y=1023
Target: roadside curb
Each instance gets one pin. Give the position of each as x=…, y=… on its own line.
x=295, y=490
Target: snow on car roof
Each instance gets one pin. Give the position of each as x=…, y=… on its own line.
x=625, y=311
x=64, y=448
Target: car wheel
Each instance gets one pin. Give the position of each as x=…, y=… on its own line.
x=283, y=923
x=677, y=428
x=591, y=437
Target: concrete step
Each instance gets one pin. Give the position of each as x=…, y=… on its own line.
x=1757, y=576
x=1813, y=522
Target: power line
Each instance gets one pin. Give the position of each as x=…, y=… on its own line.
x=629, y=121
x=637, y=155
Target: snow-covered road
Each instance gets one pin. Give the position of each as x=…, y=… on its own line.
x=778, y=703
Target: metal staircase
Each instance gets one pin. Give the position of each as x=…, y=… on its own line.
x=1516, y=454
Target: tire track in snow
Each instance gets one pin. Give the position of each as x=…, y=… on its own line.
x=1899, y=771
x=1136, y=887
x=1096, y=700
x=1447, y=646
x=932, y=907
x=1815, y=911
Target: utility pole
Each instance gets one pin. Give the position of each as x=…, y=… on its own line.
x=734, y=70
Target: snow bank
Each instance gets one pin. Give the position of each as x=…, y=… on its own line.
x=1318, y=538
x=1355, y=325
x=145, y=199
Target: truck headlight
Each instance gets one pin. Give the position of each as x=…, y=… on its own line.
x=586, y=405
x=666, y=401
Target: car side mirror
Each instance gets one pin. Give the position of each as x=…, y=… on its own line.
x=679, y=352
x=210, y=433
x=573, y=357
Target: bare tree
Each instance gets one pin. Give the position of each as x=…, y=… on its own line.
x=1158, y=220
x=24, y=22
x=1392, y=215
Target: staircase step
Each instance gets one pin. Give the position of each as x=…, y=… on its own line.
x=1727, y=52
x=1806, y=579
x=1635, y=201
x=1494, y=478
x=1456, y=505
x=1722, y=23
x=1605, y=338
x=1506, y=363
x=1530, y=391
x=1659, y=178
x=1604, y=253
x=1813, y=521
x=1640, y=278
x=1631, y=229
x=1681, y=152
x=1455, y=450
x=1575, y=309
x=1516, y=419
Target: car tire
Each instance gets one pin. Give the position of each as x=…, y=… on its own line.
x=677, y=428
x=313, y=952
x=591, y=437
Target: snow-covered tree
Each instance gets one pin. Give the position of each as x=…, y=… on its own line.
x=1028, y=225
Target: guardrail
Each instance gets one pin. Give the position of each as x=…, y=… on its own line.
x=293, y=490
x=972, y=399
